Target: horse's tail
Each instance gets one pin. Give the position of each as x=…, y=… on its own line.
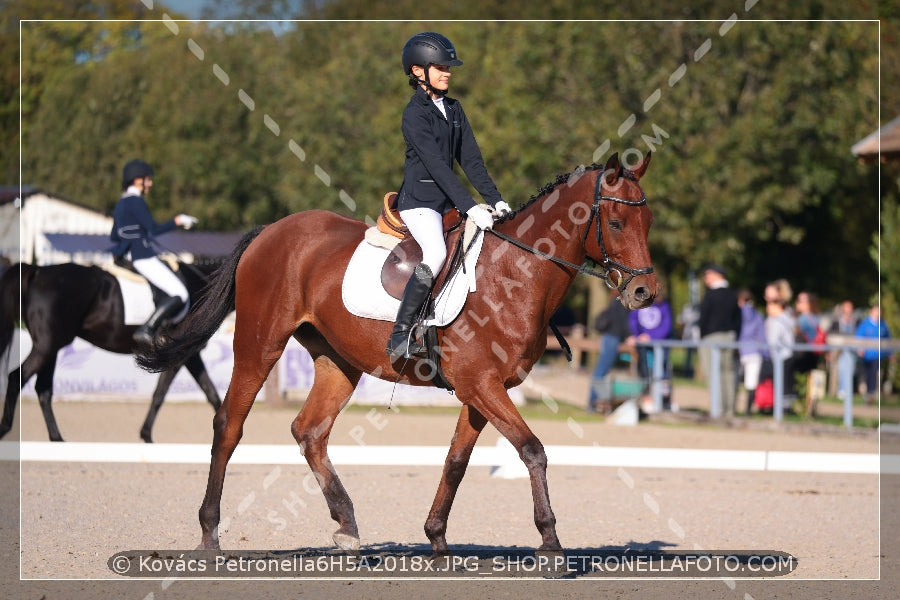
x=204, y=318
x=13, y=291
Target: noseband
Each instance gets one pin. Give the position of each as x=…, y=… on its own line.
x=608, y=265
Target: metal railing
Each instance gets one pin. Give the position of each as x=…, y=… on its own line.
x=842, y=344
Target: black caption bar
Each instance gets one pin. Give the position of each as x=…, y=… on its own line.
x=299, y=564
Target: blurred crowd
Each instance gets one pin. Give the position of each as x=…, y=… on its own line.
x=785, y=324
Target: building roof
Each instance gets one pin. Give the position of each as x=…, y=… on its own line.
x=883, y=143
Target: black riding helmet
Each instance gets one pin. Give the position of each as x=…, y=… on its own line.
x=134, y=169
x=426, y=49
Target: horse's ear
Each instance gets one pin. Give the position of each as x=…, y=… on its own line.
x=611, y=170
x=642, y=167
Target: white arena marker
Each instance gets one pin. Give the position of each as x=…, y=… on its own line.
x=823, y=462
x=582, y=456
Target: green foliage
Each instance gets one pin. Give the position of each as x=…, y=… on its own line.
x=751, y=168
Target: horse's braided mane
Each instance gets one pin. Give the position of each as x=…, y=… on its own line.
x=560, y=179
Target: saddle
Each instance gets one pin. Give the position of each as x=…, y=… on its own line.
x=399, y=265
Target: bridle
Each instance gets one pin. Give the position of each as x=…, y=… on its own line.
x=609, y=266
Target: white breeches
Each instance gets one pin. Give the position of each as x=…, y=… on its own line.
x=427, y=227
x=161, y=276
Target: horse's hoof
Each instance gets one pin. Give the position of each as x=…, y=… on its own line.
x=208, y=546
x=147, y=438
x=347, y=543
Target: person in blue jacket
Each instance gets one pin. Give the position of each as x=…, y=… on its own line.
x=872, y=327
x=133, y=232
x=437, y=134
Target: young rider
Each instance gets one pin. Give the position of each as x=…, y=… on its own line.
x=133, y=231
x=437, y=133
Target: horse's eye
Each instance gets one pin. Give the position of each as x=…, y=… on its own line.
x=617, y=225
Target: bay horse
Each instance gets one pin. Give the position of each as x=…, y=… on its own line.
x=61, y=302
x=284, y=280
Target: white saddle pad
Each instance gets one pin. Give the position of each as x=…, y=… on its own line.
x=137, y=295
x=138, y=299
x=364, y=296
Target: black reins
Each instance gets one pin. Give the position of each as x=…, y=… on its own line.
x=607, y=264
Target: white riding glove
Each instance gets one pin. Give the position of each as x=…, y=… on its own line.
x=481, y=215
x=186, y=221
x=501, y=209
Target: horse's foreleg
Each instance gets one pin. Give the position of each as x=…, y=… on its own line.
x=311, y=428
x=43, y=385
x=198, y=371
x=468, y=427
x=159, y=394
x=495, y=404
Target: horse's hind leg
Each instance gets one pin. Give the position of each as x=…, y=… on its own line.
x=159, y=394
x=250, y=371
x=43, y=385
x=197, y=369
x=331, y=390
x=468, y=427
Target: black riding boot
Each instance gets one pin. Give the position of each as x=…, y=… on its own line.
x=402, y=342
x=146, y=333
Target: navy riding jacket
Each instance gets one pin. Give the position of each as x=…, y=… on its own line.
x=134, y=228
x=433, y=143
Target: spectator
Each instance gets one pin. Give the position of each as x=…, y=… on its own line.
x=612, y=323
x=872, y=327
x=653, y=322
x=720, y=321
x=845, y=323
x=753, y=332
x=808, y=331
x=690, y=332
x=780, y=325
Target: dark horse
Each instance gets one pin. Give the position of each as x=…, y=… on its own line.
x=60, y=302
x=284, y=280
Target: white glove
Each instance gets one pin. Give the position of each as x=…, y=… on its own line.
x=186, y=221
x=481, y=215
x=501, y=209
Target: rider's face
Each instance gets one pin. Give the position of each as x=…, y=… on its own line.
x=438, y=76
x=144, y=184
